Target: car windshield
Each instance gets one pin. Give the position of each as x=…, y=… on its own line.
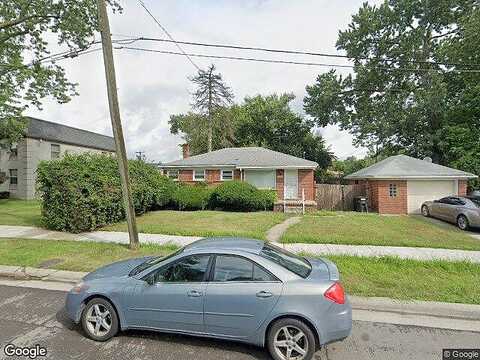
x=292, y=262
x=152, y=262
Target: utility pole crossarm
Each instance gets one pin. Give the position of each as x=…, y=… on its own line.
x=116, y=121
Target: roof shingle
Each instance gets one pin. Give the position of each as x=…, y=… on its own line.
x=46, y=130
x=404, y=167
x=244, y=157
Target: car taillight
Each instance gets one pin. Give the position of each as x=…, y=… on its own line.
x=335, y=293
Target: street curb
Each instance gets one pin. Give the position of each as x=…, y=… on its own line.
x=443, y=310
x=29, y=273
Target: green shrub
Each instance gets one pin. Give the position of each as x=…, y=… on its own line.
x=241, y=196
x=82, y=192
x=192, y=197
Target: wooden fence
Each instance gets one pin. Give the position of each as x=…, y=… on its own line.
x=337, y=197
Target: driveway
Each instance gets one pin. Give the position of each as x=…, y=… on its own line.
x=36, y=316
x=475, y=233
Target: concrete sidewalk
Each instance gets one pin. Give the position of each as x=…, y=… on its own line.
x=415, y=253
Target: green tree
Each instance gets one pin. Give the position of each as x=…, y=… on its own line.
x=268, y=121
x=210, y=96
x=382, y=104
x=27, y=29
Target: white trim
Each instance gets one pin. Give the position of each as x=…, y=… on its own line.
x=217, y=166
x=416, y=177
x=204, y=175
x=223, y=179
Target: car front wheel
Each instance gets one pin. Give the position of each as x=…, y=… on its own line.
x=462, y=222
x=99, y=320
x=425, y=211
x=291, y=339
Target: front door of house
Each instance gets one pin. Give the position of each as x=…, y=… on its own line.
x=291, y=184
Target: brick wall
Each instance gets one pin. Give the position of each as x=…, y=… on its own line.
x=237, y=175
x=185, y=175
x=306, y=181
x=462, y=187
x=388, y=204
x=280, y=182
x=213, y=176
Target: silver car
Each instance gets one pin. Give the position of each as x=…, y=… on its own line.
x=462, y=211
x=229, y=288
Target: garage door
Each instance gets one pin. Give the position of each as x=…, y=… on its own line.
x=420, y=191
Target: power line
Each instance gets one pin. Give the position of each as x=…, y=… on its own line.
x=281, y=51
x=142, y=4
x=289, y=62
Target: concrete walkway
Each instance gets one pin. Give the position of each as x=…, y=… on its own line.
x=276, y=232
x=415, y=253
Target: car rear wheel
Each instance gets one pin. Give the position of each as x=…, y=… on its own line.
x=462, y=222
x=425, y=211
x=99, y=320
x=291, y=339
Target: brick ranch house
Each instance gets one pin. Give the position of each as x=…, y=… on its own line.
x=400, y=184
x=290, y=176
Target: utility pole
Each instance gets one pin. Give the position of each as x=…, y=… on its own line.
x=116, y=122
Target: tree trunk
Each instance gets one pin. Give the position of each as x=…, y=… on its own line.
x=210, y=120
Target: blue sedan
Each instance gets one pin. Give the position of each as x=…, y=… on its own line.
x=229, y=288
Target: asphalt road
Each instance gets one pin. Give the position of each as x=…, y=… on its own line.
x=35, y=316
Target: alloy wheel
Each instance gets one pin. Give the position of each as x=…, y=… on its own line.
x=290, y=343
x=98, y=320
x=462, y=223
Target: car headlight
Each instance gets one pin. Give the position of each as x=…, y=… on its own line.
x=79, y=288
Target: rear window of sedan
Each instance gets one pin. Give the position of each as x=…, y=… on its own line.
x=476, y=201
x=286, y=259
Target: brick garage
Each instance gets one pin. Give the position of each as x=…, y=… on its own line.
x=400, y=184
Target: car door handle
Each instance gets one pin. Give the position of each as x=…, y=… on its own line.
x=264, y=294
x=194, y=293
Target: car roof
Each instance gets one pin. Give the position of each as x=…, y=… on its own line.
x=226, y=243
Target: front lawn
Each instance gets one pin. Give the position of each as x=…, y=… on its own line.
x=457, y=282
x=373, y=229
x=19, y=212
x=204, y=223
x=71, y=255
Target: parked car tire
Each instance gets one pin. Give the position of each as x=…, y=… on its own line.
x=292, y=336
x=99, y=320
x=425, y=211
x=462, y=222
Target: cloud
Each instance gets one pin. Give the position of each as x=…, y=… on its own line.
x=154, y=86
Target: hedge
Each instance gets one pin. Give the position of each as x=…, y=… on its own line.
x=241, y=196
x=192, y=197
x=82, y=192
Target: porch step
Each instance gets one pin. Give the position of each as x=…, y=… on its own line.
x=294, y=206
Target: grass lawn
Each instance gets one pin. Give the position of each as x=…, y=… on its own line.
x=205, y=223
x=457, y=282
x=71, y=255
x=373, y=229
x=19, y=212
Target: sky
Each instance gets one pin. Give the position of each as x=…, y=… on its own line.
x=153, y=86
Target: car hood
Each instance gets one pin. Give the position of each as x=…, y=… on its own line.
x=116, y=269
x=323, y=269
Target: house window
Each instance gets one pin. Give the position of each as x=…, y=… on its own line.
x=199, y=175
x=172, y=174
x=13, y=178
x=227, y=175
x=54, y=151
x=392, y=190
